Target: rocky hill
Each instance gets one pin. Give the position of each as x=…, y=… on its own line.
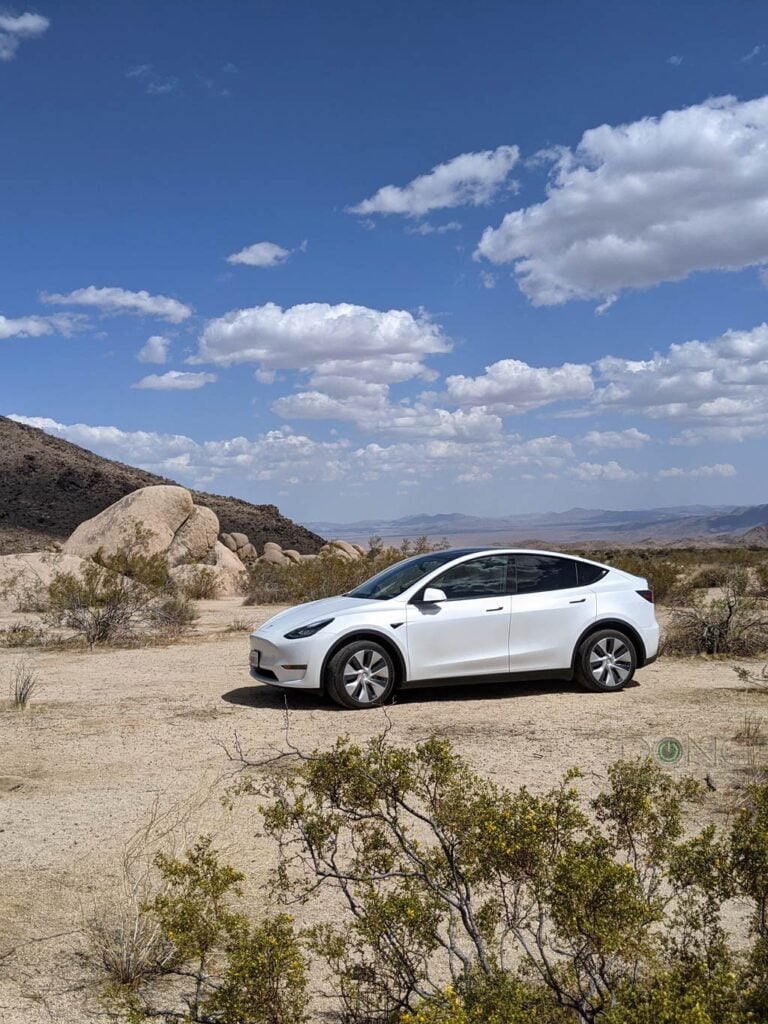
x=49, y=486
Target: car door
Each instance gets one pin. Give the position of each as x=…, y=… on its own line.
x=468, y=633
x=549, y=613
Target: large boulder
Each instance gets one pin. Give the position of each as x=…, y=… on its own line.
x=228, y=541
x=159, y=511
x=195, y=538
x=346, y=548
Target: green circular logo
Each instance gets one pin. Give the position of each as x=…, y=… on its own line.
x=669, y=750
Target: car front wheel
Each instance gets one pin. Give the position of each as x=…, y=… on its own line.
x=361, y=675
x=606, y=661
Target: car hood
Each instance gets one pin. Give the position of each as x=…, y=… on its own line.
x=313, y=611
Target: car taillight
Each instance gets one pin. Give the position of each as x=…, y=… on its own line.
x=647, y=594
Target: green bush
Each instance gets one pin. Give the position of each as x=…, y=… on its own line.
x=324, y=576
x=131, y=559
x=200, y=584
x=221, y=968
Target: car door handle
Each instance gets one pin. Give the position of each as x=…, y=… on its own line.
x=499, y=609
x=578, y=600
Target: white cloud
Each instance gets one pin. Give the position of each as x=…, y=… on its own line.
x=14, y=29
x=467, y=180
x=719, y=388
x=425, y=228
x=754, y=52
x=720, y=469
x=119, y=300
x=155, y=350
x=265, y=376
x=277, y=455
x=260, y=254
x=155, y=83
x=294, y=459
x=369, y=407
x=512, y=386
x=38, y=326
x=175, y=380
x=591, y=471
x=630, y=438
x=341, y=340
x=637, y=204
x=675, y=60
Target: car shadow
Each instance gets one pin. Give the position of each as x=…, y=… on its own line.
x=301, y=700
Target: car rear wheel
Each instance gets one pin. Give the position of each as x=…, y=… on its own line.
x=606, y=661
x=361, y=675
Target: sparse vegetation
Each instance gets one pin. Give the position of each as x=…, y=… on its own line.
x=132, y=560
x=200, y=584
x=23, y=684
x=170, y=614
x=22, y=634
x=239, y=625
x=326, y=575
x=219, y=967
x=112, y=600
x=735, y=623
x=465, y=903
x=751, y=732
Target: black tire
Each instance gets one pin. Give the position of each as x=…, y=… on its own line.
x=362, y=674
x=606, y=661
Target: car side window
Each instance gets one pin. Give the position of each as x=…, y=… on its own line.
x=537, y=573
x=589, y=573
x=481, y=577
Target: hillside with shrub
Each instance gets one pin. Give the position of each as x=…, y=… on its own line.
x=50, y=486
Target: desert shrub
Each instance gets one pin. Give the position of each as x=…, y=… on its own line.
x=170, y=614
x=446, y=875
x=736, y=623
x=752, y=679
x=22, y=634
x=222, y=968
x=132, y=560
x=96, y=604
x=23, y=683
x=325, y=576
x=761, y=575
x=200, y=584
x=26, y=588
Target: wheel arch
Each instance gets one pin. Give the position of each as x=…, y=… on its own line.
x=366, y=634
x=624, y=627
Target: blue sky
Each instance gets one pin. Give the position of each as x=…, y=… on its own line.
x=371, y=260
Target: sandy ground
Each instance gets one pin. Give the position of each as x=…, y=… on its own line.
x=111, y=735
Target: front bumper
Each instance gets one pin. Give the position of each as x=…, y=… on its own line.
x=291, y=664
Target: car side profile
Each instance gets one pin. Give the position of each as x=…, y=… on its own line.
x=464, y=615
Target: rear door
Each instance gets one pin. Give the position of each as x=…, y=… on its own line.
x=468, y=633
x=550, y=610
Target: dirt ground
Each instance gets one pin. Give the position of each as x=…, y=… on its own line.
x=119, y=738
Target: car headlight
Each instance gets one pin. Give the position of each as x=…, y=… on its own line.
x=310, y=630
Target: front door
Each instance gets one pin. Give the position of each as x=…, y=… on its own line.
x=468, y=633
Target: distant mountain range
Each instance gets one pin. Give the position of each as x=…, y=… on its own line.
x=681, y=524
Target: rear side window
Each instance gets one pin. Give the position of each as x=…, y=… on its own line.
x=589, y=573
x=482, y=577
x=536, y=573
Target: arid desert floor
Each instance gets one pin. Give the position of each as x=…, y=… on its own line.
x=126, y=748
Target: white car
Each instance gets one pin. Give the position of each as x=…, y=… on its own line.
x=468, y=615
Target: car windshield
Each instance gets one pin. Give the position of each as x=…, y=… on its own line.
x=398, y=578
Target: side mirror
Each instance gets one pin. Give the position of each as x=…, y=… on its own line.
x=432, y=595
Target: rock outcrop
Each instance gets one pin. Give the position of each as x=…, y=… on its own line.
x=160, y=512
x=168, y=522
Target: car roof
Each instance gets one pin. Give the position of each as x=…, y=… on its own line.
x=461, y=552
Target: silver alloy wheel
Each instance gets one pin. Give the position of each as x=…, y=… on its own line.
x=366, y=675
x=610, y=661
